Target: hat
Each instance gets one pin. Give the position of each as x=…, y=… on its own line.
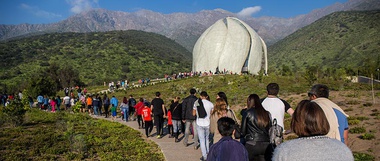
x=146, y=103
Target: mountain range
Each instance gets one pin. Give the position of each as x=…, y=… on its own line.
x=184, y=28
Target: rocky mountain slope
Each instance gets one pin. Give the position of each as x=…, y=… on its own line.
x=184, y=28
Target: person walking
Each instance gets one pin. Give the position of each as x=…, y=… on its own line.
x=66, y=101
x=202, y=109
x=255, y=129
x=40, y=101
x=176, y=113
x=124, y=109
x=58, y=101
x=106, y=103
x=96, y=104
x=131, y=106
x=158, y=108
x=89, y=101
x=189, y=119
x=147, y=117
x=138, y=107
x=53, y=104
x=220, y=110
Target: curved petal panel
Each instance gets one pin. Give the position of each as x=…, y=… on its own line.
x=229, y=44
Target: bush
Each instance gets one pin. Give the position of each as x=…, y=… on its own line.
x=363, y=156
x=357, y=130
x=368, y=136
x=353, y=122
x=13, y=113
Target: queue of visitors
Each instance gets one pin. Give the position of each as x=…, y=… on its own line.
x=320, y=124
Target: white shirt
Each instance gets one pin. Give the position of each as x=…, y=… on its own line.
x=208, y=107
x=66, y=99
x=276, y=108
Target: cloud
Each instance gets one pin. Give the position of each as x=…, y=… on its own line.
x=78, y=6
x=39, y=13
x=247, y=12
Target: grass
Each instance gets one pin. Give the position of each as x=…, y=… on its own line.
x=63, y=136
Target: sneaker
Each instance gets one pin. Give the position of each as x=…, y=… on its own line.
x=158, y=136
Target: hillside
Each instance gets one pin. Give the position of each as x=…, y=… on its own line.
x=97, y=57
x=347, y=40
x=184, y=28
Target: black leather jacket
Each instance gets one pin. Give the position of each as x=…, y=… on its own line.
x=251, y=131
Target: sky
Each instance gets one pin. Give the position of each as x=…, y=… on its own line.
x=49, y=11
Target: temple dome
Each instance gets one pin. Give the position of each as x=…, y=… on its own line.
x=230, y=44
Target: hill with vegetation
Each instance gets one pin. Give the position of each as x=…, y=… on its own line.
x=91, y=58
x=345, y=41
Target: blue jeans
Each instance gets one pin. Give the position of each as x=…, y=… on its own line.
x=96, y=110
x=125, y=111
x=203, y=133
x=187, y=132
x=176, y=125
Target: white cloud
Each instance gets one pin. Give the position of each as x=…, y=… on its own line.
x=247, y=12
x=39, y=13
x=78, y=6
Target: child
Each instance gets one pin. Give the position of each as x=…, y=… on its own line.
x=113, y=111
x=52, y=104
x=170, y=123
x=147, y=118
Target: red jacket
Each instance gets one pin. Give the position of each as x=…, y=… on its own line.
x=139, y=106
x=170, y=122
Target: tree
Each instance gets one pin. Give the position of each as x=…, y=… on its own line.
x=42, y=85
x=310, y=74
x=69, y=77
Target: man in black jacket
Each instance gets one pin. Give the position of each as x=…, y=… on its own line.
x=189, y=119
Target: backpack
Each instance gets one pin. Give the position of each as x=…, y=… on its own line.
x=132, y=102
x=201, y=109
x=276, y=134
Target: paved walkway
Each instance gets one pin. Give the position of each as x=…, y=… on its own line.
x=172, y=151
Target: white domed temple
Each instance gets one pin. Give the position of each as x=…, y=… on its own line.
x=232, y=45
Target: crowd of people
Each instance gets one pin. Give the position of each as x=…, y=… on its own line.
x=320, y=124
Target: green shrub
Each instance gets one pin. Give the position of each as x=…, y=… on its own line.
x=64, y=136
x=353, y=122
x=348, y=109
x=13, y=113
x=361, y=118
x=357, y=130
x=363, y=157
x=368, y=136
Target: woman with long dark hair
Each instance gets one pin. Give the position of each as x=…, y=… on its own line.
x=255, y=130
